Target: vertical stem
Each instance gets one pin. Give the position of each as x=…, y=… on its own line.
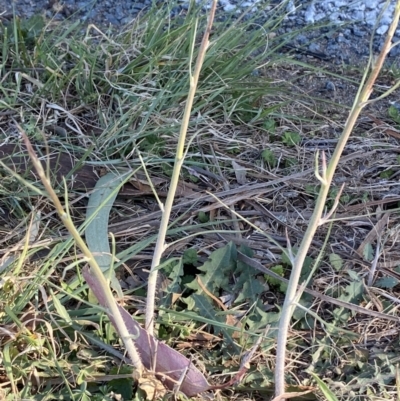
x=292, y=294
x=94, y=267
x=179, y=159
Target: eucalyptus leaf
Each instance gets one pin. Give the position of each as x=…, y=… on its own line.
x=97, y=214
x=166, y=362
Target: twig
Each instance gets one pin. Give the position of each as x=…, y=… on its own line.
x=374, y=263
x=225, y=183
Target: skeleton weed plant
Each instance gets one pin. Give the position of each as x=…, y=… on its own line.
x=325, y=178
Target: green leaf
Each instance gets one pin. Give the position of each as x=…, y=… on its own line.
x=269, y=157
x=174, y=287
x=269, y=125
x=206, y=309
x=300, y=313
x=368, y=252
x=247, y=285
x=312, y=190
x=97, y=214
x=60, y=308
x=353, y=294
x=306, y=269
x=291, y=162
x=278, y=269
x=353, y=275
x=291, y=138
x=123, y=386
x=259, y=319
x=324, y=389
x=385, y=175
x=218, y=268
x=336, y=261
x=189, y=301
x=153, y=143
x=386, y=282
x=203, y=217
x=285, y=256
x=190, y=256
x=251, y=288
x=394, y=114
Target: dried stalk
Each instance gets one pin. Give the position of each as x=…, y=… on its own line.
x=88, y=257
x=179, y=159
x=292, y=294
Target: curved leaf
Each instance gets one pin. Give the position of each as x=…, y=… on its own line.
x=167, y=363
x=98, y=213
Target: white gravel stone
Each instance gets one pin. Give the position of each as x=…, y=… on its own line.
x=310, y=13
x=362, y=12
x=382, y=29
x=228, y=6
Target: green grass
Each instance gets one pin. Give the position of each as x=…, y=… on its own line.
x=103, y=98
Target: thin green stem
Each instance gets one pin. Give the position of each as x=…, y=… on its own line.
x=89, y=258
x=179, y=159
x=327, y=176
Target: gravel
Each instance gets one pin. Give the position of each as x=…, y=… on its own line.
x=346, y=40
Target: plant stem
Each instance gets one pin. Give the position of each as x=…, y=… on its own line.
x=95, y=269
x=179, y=159
x=292, y=293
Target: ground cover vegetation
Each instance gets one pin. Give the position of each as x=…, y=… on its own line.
x=103, y=112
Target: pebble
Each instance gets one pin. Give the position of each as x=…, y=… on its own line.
x=330, y=86
x=314, y=48
x=111, y=19
x=301, y=39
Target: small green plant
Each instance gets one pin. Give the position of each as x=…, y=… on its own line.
x=269, y=125
x=385, y=175
x=203, y=217
x=130, y=89
x=394, y=113
x=312, y=190
x=291, y=162
x=291, y=138
x=278, y=269
x=269, y=157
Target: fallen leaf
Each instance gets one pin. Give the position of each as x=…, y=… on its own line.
x=167, y=363
x=387, y=128
x=375, y=233
x=153, y=387
x=97, y=214
x=240, y=173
